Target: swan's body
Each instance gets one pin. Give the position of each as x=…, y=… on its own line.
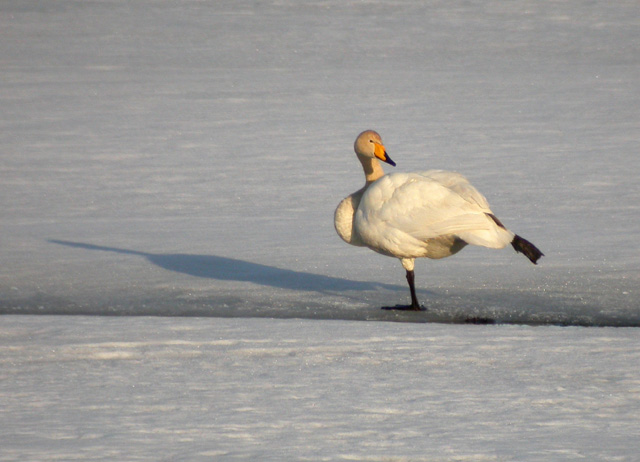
x=431, y=214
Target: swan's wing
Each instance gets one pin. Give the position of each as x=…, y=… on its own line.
x=420, y=205
x=458, y=183
x=424, y=208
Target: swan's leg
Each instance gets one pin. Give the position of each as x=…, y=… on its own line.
x=415, y=306
x=411, y=277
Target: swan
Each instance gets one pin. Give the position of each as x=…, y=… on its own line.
x=432, y=214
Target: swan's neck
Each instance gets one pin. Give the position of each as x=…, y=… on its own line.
x=372, y=169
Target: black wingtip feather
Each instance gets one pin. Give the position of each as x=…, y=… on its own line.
x=527, y=248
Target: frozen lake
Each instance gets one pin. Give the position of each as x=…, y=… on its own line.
x=183, y=159
x=170, y=157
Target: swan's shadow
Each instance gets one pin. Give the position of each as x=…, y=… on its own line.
x=470, y=307
x=230, y=269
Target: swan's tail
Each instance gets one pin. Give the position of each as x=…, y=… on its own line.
x=527, y=248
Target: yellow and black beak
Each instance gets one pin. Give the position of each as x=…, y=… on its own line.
x=381, y=154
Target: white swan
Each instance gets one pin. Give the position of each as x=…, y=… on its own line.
x=431, y=214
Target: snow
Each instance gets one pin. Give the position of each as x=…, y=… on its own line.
x=123, y=388
x=183, y=159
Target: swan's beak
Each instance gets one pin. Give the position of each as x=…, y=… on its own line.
x=381, y=154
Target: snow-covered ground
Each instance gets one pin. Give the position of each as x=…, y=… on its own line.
x=184, y=158
x=185, y=389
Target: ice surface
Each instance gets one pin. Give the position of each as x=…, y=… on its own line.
x=184, y=158
x=206, y=145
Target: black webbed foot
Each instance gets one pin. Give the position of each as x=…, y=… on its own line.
x=405, y=308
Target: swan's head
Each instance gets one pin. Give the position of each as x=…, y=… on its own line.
x=369, y=145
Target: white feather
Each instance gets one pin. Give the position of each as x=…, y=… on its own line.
x=402, y=213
